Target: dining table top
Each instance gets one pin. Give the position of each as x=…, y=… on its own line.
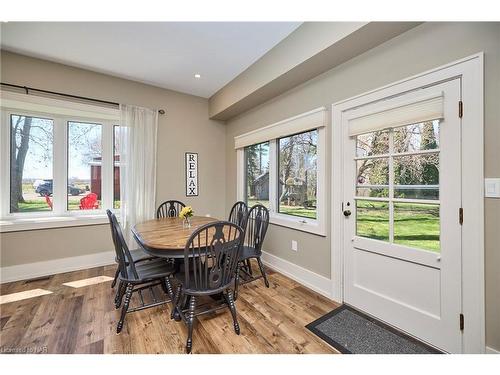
x=167, y=236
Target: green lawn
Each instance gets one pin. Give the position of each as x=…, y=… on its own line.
x=298, y=211
x=373, y=220
x=33, y=206
x=41, y=205
x=36, y=205
x=289, y=210
x=415, y=225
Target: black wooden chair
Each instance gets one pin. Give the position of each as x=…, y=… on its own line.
x=255, y=232
x=136, y=255
x=170, y=208
x=210, y=261
x=138, y=276
x=238, y=214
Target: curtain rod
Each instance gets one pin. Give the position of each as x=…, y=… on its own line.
x=27, y=89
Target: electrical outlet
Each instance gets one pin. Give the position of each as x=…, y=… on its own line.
x=295, y=246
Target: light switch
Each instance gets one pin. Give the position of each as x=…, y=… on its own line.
x=295, y=246
x=492, y=187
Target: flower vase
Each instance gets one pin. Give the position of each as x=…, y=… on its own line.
x=186, y=222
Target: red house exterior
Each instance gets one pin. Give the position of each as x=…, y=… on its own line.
x=95, y=177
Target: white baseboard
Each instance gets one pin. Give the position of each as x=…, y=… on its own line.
x=51, y=267
x=318, y=283
x=491, y=351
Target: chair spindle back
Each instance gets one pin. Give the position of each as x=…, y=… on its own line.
x=239, y=214
x=125, y=261
x=170, y=208
x=256, y=227
x=211, y=256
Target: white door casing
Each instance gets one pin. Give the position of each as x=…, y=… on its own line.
x=468, y=74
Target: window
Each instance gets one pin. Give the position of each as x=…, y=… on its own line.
x=61, y=161
x=31, y=163
x=286, y=171
x=257, y=174
x=84, y=163
x=297, y=182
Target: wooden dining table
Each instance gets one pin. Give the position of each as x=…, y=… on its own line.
x=167, y=237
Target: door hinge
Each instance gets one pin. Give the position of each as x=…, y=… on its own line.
x=461, y=216
x=461, y=322
x=460, y=109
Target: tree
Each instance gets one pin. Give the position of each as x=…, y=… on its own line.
x=430, y=170
x=374, y=171
x=286, y=163
x=19, y=151
x=416, y=169
x=27, y=133
x=297, y=157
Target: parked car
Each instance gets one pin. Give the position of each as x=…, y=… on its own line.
x=45, y=189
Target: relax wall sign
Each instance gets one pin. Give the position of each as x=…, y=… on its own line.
x=191, y=174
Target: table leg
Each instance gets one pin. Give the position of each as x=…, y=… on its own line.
x=185, y=305
x=179, y=265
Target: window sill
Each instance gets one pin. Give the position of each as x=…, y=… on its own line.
x=46, y=222
x=298, y=223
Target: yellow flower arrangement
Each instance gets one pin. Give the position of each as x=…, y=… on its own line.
x=186, y=212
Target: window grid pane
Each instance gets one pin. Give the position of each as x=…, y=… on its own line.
x=417, y=225
x=372, y=219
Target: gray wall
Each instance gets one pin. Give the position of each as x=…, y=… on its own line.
x=422, y=48
x=185, y=127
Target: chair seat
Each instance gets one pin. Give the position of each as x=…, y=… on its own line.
x=191, y=289
x=248, y=252
x=138, y=254
x=152, y=269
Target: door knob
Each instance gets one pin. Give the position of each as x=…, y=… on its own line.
x=347, y=213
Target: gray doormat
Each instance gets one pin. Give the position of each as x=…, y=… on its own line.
x=350, y=331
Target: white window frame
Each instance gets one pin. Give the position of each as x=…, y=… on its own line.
x=63, y=112
x=315, y=226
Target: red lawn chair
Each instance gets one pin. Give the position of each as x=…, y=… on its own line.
x=48, y=200
x=89, y=202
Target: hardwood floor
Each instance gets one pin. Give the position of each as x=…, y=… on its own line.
x=83, y=320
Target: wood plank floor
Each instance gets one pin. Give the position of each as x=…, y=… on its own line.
x=83, y=320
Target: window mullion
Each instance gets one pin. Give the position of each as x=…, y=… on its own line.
x=273, y=176
x=321, y=178
x=241, y=175
x=5, y=163
x=391, y=186
x=60, y=166
x=107, y=166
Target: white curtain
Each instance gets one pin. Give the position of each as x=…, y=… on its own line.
x=137, y=140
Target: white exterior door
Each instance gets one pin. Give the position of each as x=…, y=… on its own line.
x=401, y=202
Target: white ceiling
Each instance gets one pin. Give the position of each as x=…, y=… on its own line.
x=164, y=54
